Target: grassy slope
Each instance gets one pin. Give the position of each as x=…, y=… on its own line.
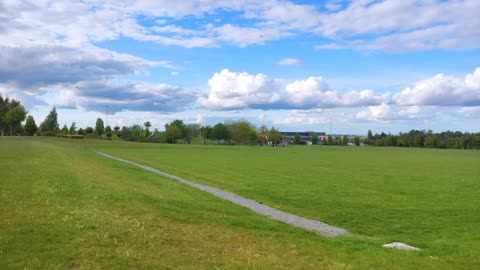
x=62, y=206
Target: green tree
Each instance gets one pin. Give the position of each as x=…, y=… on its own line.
x=65, y=129
x=274, y=136
x=147, y=128
x=5, y=106
x=242, y=131
x=73, y=129
x=338, y=140
x=220, y=132
x=370, y=135
x=314, y=138
x=193, y=131
x=297, y=139
x=206, y=133
x=263, y=134
x=137, y=131
x=14, y=117
x=30, y=126
x=81, y=131
x=418, y=142
x=180, y=125
x=99, y=129
x=51, y=122
x=173, y=133
x=330, y=140
x=89, y=130
x=357, y=141
x=108, y=129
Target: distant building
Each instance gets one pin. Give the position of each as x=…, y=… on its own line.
x=304, y=135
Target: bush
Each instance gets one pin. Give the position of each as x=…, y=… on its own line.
x=91, y=136
x=108, y=134
x=49, y=133
x=72, y=136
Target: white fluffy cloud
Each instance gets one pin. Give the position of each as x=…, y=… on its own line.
x=443, y=90
x=311, y=92
x=387, y=113
x=232, y=90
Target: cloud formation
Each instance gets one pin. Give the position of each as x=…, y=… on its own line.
x=28, y=68
x=396, y=26
x=233, y=90
x=95, y=95
x=386, y=113
x=239, y=90
x=443, y=90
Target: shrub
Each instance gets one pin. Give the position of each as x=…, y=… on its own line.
x=49, y=133
x=72, y=136
x=91, y=136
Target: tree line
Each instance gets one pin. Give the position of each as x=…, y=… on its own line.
x=426, y=139
x=13, y=114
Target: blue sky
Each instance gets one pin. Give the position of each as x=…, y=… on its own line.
x=344, y=66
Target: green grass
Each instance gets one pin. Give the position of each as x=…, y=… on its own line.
x=62, y=206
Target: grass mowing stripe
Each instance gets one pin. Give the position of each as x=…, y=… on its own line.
x=297, y=221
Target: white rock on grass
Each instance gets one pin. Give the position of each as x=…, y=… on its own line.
x=399, y=245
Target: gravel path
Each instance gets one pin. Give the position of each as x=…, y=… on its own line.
x=304, y=223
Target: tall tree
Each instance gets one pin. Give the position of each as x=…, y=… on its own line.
x=65, y=129
x=241, y=131
x=5, y=106
x=369, y=135
x=147, y=128
x=99, y=129
x=330, y=140
x=14, y=117
x=89, y=130
x=297, y=139
x=193, y=131
x=206, y=133
x=263, y=134
x=73, y=129
x=274, y=136
x=180, y=125
x=172, y=133
x=51, y=122
x=357, y=141
x=30, y=126
x=220, y=132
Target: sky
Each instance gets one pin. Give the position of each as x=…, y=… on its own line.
x=338, y=66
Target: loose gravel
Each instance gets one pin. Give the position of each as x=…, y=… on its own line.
x=262, y=209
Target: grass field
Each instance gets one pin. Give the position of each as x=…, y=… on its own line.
x=64, y=207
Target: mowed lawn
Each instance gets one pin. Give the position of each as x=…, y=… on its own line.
x=62, y=206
